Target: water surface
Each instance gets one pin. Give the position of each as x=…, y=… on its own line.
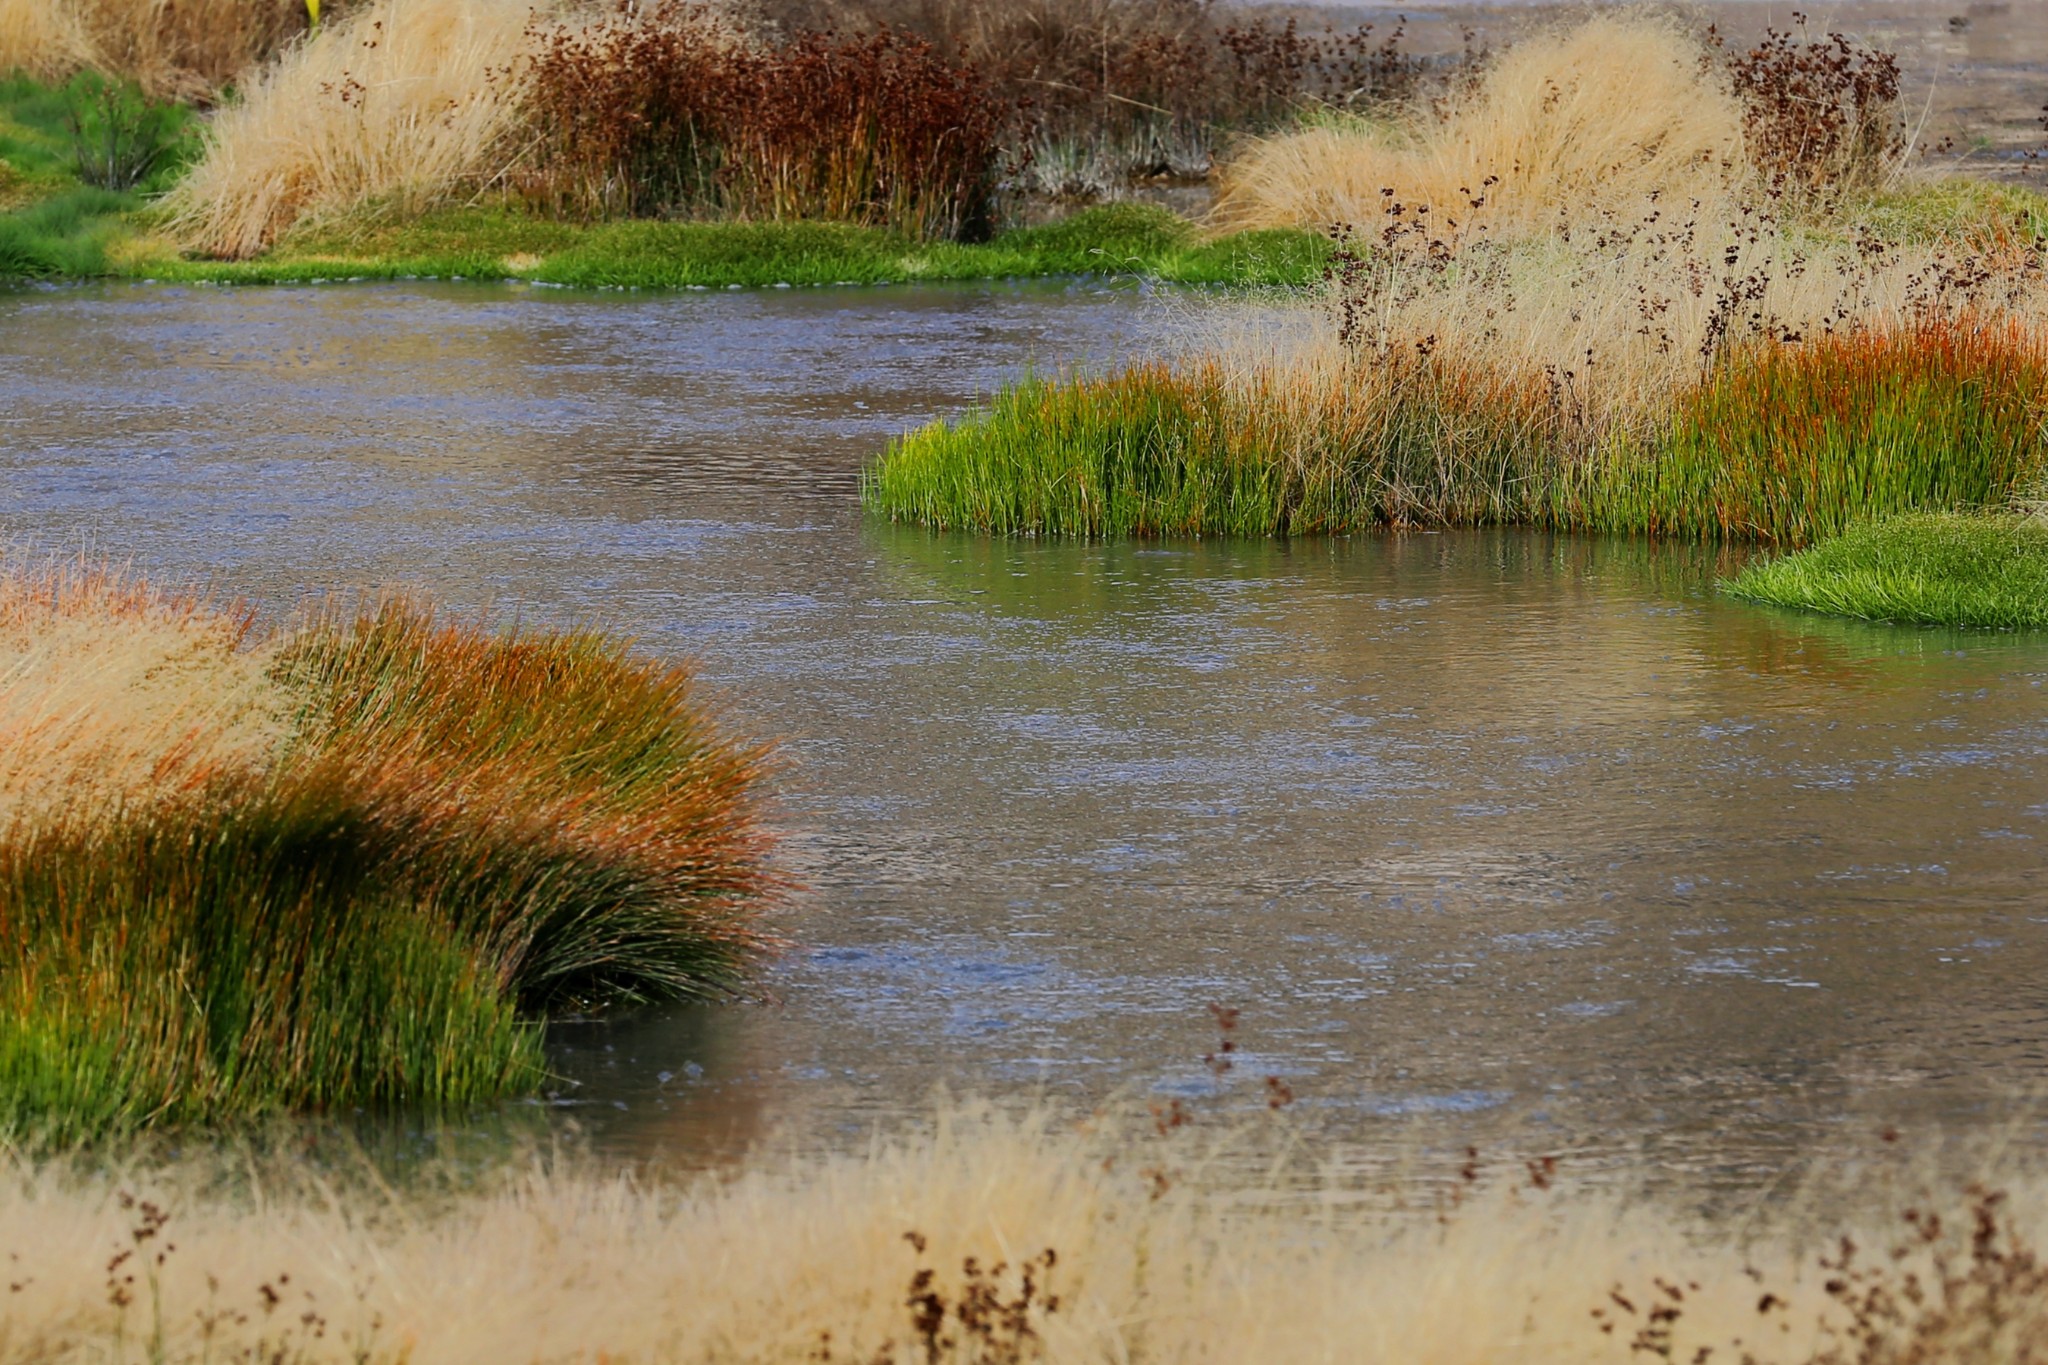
x=1499, y=837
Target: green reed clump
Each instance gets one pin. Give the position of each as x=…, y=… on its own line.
x=1160, y=451
x=459, y=833
x=246, y=952
x=1788, y=443
x=572, y=812
x=1943, y=569
x=1782, y=442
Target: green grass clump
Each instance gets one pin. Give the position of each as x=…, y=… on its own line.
x=1782, y=443
x=1161, y=451
x=1946, y=569
x=571, y=811
x=454, y=835
x=238, y=955
x=1789, y=444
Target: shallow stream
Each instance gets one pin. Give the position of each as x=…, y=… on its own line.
x=1493, y=837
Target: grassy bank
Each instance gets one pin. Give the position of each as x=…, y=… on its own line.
x=1124, y=239
x=348, y=865
x=1948, y=570
x=53, y=224
x=997, y=1240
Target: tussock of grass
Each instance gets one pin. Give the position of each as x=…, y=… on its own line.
x=918, y=1252
x=403, y=103
x=1934, y=569
x=1563, y=126
x=349, y=865
x=112, y=694
x=1782, y=442
x=1790, y=443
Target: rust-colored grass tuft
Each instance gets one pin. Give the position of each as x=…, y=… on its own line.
x=350, y=864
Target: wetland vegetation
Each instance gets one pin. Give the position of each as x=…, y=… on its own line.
x=659, y=145
x=1743, y=332
x=994, y=1238
x=343, y=865
x=1617, y=279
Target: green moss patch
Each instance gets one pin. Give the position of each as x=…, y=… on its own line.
x=1928, y=569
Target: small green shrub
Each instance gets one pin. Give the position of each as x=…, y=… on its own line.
x=121, y=136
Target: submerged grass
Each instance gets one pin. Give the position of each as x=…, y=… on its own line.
x=1929, y=569
x=347, y=866
x=1781, y=443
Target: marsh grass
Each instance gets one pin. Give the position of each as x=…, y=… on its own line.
x=1982, y=570
x=571, y=812
x=1781, y=442
x=994, y=1238
x=52, y=224
x=405, y=104
x=348, y=865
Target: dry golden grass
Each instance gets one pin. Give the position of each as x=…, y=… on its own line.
x=175, y=48
x=1562, y=127
x=1620, y=315
x=405, y=104
x=46, y=38
x=813, y=1260
x=112, y=692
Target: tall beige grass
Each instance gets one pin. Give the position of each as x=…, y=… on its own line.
x=406, y=103
x=817, y=1260
x=1563, y=126
x=112, y=692
x=1612, y=320
x=175, y=48
x=46, y=38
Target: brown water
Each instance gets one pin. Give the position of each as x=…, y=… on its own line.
x=1498, y=837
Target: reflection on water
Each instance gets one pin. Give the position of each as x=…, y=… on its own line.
x=1489, y=834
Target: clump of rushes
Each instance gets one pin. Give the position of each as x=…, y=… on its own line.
x=363, y=880
x=571, y=810
x=1791, y=442
x=1197, y=450
x=1927, y=569
x=1780, y=442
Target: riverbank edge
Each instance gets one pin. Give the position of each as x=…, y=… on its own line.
x=502, y=245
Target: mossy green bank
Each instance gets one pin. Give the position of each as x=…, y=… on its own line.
x=1941, y=569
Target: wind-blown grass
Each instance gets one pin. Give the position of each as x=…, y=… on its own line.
x=1932, y=569
x=1561, y=127
x=919, y=1250
x=402, y=104
x=349, y=865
